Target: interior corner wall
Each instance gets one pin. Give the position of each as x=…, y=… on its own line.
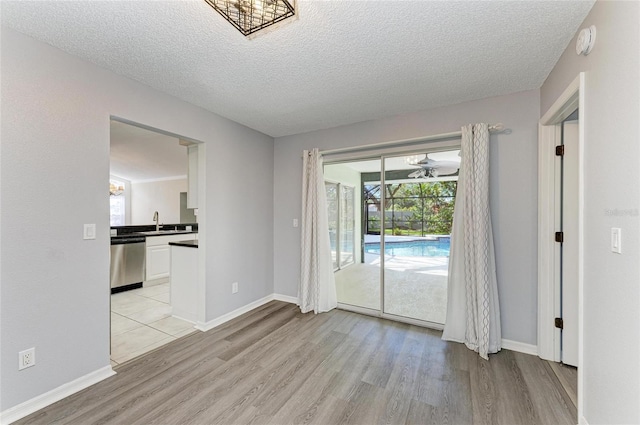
x=611, y=290
x=513, y=183
x=56, y=111
x=162, y=196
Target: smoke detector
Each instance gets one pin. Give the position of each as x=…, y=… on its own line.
x=586, y=40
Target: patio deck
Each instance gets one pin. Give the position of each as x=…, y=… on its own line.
x=415, y=287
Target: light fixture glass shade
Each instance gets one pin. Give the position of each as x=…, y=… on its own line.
x=413, y=159
x=249, y=16
x=116, y=188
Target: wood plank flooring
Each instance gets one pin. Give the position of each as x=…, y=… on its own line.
x=568, y=377
x=276, y=366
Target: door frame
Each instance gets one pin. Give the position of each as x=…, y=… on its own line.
x=549, y=136
x=201, y=307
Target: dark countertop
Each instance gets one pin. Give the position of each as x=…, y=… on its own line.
x=151, y=233
x=141, y=236
x=187, y=244
x=150, y=229
x=126, y=239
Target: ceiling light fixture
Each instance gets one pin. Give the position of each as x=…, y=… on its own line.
x=116, y=188
x=249, y=16
x=413, y=159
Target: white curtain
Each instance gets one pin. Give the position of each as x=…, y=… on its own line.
x=317, y=290
x=473, y=312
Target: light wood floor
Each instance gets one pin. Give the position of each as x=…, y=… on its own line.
x=277, y=366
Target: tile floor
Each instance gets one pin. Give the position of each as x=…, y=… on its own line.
x=141, y=321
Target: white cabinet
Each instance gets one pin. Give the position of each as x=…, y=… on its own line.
x=192, y=191
x=158, y=262
x=158, y=255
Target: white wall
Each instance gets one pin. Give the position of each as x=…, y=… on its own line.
x=611, y=363
x=513, y=192
x=162, y=196
x=54, y=296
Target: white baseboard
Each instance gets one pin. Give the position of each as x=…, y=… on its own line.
x=286, y=298
x=206, y=326
x=520, y=347
x=28, y=407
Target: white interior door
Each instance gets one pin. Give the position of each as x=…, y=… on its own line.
x=569, y=280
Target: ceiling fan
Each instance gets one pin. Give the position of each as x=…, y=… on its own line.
x=431, y=168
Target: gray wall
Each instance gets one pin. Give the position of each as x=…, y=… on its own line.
x=612, y=199
x=513, y=192
x=54, y=168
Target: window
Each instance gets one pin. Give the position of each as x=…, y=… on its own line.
x=347, y=225
x=341, y=217
x=117, y=203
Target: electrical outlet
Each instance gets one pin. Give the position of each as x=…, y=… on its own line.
x=26, y=358
x=234, y=288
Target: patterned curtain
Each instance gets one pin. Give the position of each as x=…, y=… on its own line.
x=473, y=312
x=317, y=289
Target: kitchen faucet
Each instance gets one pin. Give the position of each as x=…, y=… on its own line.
x=157, y=220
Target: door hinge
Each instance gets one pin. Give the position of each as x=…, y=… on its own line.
x=560, y=150
x=559, y=323
x=560, y=237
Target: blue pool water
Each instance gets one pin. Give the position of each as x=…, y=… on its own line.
x=417, y=248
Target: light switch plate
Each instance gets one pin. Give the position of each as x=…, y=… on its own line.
x=295, y=222
x=616, y=240
x=89, y=231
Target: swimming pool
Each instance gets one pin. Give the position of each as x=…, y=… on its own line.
x=415, y=248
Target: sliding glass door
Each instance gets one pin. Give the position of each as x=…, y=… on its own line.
x=390, y=222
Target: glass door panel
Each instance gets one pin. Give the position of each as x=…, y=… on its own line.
x=357, y=231
x=419, y=203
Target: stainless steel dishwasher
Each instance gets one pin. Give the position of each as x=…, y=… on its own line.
x=127, y=262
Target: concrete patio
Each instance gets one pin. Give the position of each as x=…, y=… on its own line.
x=415, y=287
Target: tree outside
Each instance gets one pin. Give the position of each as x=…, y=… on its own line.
x=412, y=209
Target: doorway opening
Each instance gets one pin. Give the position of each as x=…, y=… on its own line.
x=568, y=227
x=560, y=212
x=155, y=186
x=399, y=211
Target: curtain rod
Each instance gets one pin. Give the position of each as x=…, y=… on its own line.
x=495, y=128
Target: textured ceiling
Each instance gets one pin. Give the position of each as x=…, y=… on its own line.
x=338, y=63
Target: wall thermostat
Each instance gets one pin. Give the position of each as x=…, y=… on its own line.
x=586, y=40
